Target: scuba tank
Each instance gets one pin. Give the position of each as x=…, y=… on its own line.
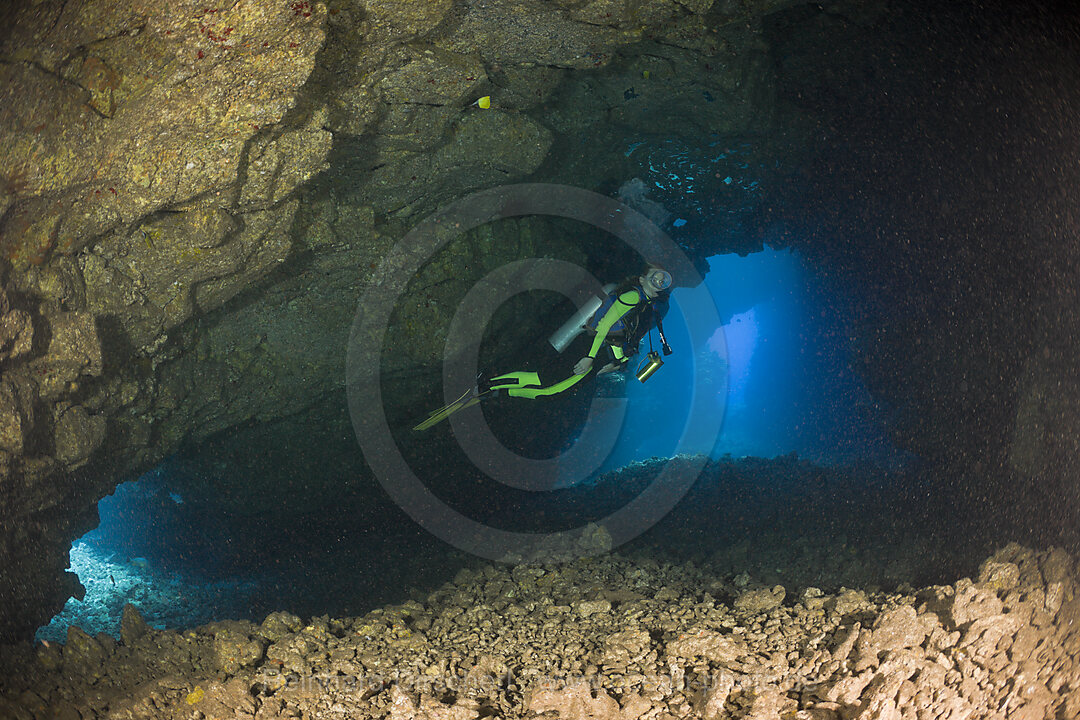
x=590, y=312
x=573, y=327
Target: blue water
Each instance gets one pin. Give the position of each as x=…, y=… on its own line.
x=148, y=550
x=778, y=369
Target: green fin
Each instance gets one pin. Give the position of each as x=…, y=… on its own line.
x=520, y=379
x=467, y=399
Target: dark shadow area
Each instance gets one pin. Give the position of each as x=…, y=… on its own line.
x=783, y=520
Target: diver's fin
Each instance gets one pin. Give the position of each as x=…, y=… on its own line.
x=467, y=399
x=441, y=413
x=515, y=380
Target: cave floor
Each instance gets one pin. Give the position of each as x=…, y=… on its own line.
x=619, y=636
x=775, y=590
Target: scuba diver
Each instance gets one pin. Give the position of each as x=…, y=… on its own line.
x=612, y=334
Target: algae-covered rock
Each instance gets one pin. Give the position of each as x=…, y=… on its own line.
x=234, y=649
x=50, y=657
x=761, y=600
x=156, y=112
x=132, y=625
x=431, y=75
x=77, y=433
x=298, y=653
x=278, y=165
x=395, y=20
x=585, y=608
x=999, y=575
x=517, y=32
x=74, y=351
x=279, y=624
x=262, y=244
x=480, y=149
x=16, y=332
x=17, y=399
x=523, y=87
x=166, y=269
x=514, y=145
x=83, y=655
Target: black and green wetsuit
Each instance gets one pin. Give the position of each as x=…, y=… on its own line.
x=619, y=325
x=619, y=329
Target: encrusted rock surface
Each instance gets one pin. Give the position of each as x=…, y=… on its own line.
x=155, y=161
x=109, y=117
x=513, y=643
x=151, y=156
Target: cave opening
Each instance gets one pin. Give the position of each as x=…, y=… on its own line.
x=779, y=369
x=153, y=549
x=782, y=367
x=170, y=545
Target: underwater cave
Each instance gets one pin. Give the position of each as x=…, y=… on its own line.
x=564, y=359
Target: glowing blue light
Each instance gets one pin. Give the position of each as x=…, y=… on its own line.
x=143, y=551
x=741, y=334
x=781, y=375
x=679, y=222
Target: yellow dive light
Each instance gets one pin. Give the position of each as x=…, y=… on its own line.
x=649, y=365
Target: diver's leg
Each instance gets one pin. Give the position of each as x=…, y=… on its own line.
x=536, y=392
x=554, y=373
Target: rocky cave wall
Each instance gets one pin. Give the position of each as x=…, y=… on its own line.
x=166, y=275
x=151, y=157
x=194, y=198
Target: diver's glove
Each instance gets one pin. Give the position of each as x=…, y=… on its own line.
x=583, y=365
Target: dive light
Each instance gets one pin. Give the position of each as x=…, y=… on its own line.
x=649, y=365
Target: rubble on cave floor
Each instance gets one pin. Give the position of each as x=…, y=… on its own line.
x=616, y=637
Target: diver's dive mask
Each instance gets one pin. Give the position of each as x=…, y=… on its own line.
x=658, y=279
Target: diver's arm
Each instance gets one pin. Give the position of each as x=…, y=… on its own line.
x=627, y=300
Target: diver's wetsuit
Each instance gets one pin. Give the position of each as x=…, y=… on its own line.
x=628, y=304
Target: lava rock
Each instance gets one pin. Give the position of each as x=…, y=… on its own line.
x=755, y=602
x=279, y=624
x=132, y=625
x=234, y=648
